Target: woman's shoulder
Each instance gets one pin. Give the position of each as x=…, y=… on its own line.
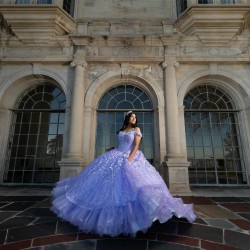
x=137, y=131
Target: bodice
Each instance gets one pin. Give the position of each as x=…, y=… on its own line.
x=126, y=141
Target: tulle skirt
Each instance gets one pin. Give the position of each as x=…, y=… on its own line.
x=113, y=196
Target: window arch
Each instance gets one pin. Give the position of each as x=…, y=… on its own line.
x=125, y=97
x=208, y=97
x=213, y=137
x=36, y=136
x=111, y=111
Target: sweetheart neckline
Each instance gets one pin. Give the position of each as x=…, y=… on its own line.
x=127, y=132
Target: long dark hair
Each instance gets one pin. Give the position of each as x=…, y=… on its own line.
x=126, y=120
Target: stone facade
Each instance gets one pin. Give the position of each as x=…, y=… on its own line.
x=110, y=42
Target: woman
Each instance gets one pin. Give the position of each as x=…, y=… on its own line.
x=120, y=192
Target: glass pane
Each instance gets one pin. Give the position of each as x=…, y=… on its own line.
x=195, y=117
x=217, y=141
x=18, y=176
x=211, y=177
x=148, y=140
x=232, y=177
x=188, y=128
x=206, y=129
x=187, y=116
x=218, y=153
x=215, y=117
x=192, y=177
x=37, y=97
x=222, y=177
x=148, y=152
x=196, y=104
x=196, y=129
x=199, y=152
x=189, y=140
x=125, y=105
x=210, y=165
x=197, y=141
x=55, y=104
x=54, y=117
x=190, y=152
x=201, y=177
x=137, y=104
x=207, y=141
x=61, y=129
x=205, y=119
x=208, y=152
x=112, y=104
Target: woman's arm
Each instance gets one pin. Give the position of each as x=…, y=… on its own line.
x=136, y=144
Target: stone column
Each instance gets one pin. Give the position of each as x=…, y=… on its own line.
x=171, y=110
x=76, y=112
x=72, y=163
x=176, y=163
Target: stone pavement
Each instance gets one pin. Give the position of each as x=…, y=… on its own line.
x=223, y=223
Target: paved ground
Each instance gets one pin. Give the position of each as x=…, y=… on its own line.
x=223, y=223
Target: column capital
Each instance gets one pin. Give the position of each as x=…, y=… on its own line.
x=81, y=62
x=170, y=61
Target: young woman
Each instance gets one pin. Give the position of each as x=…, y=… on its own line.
x=119, y=192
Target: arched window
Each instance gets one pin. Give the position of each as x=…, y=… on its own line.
x=213, y=137
x=111, y=112
x=36, y=136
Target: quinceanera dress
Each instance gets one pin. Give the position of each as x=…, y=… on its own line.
x=113, y=196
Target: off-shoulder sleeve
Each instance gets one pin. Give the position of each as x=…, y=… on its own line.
x=138, y=133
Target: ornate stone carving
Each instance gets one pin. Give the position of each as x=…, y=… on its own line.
x=206, y=52
x=170, y=61
x=226, y=23
x=79, y=57
x=213, y=68
x=80, y=62
x=36, y=25
x=125, y=69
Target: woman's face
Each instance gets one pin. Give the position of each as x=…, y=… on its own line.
x=132, y=119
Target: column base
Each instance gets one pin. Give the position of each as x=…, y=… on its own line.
x=175, y=173
x=70, y=167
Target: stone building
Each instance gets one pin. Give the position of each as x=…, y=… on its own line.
x=71, y=69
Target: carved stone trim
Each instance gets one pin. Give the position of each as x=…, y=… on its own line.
x=36, y=23
x=170, y=61
x=213, y=24
x=80, y=62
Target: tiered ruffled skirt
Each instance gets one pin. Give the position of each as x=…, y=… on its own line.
x=113, y=196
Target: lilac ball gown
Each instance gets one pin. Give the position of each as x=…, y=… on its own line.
x=113, y=196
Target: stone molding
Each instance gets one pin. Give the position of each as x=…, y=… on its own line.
x=80, y=62
x=170, y=61
x=213, y=24
x=36, y=24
